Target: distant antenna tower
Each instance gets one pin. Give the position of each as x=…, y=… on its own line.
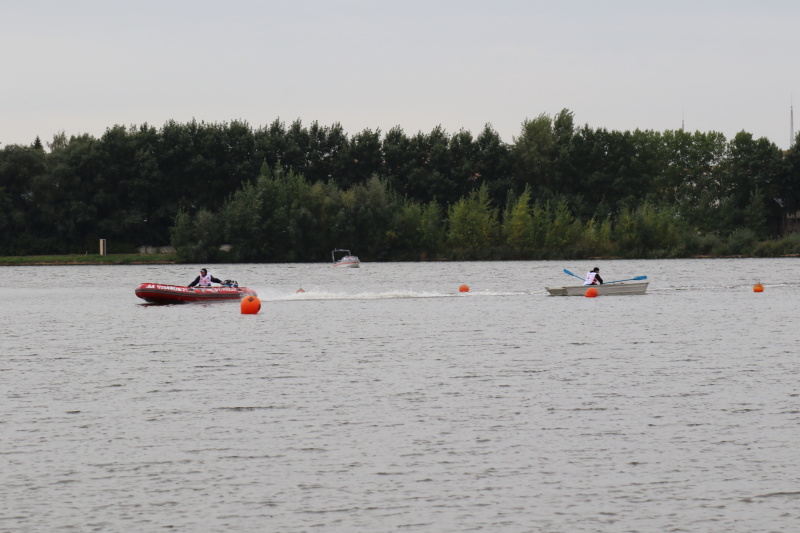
x=791, y=123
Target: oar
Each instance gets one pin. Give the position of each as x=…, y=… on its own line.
x=571, y=274
x=637, y=278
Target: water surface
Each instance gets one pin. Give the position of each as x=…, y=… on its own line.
x=382, y=399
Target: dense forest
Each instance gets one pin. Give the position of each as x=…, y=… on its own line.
x=293, y=193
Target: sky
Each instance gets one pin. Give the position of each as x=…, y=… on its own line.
x=87, y=65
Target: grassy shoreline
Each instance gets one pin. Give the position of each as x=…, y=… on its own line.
x=89, y=259
x=172, y=259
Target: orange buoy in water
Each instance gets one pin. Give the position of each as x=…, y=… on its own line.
x=463, y=288
x=591, y=292
x=758, y=287
x=300, y=290
x=251, y=305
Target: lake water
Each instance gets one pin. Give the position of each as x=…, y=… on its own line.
x=382, y=399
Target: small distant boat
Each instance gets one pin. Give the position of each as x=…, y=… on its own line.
x=346, y=259
x=158, y=293
x=607, y=289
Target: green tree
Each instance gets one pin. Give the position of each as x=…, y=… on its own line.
x=564, y=231
x=71, y=201
x=197, y=238
x=397, y=161
x=473, y=224
x=59, y=141
x=432, y=229
x=403, y=239
x=420, y=167
x=519, y=225
x=649, y=232
x=789, y=180
x=283, y=197
x=492, y=164
x=363, y=160
x=533, y=154
x=749, y=181
x=242, y=226
x=688, y=176
x=542, y=220
x=328, y=147
x=597, y=239
x=21, y=227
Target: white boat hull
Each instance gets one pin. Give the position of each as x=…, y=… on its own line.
x=608, y=289
x=348, y=262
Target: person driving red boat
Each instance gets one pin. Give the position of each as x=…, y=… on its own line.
x=204, y=279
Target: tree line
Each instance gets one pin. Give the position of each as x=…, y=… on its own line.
x=279, y=193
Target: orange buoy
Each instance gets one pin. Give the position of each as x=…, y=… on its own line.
x=591, y=292
x=758, y=287
x=251, y=305
x=463, y=288
x=300, y=290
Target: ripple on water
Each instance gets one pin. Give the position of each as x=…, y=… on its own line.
x=383, y=400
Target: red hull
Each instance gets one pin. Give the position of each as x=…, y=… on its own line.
x=158, y=293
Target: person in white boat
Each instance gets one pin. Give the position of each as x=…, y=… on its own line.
x=204, y=279
x=593, y=277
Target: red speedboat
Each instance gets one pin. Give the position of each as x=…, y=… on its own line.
x=158, y=293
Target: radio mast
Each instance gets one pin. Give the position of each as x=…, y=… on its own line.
x=791, y=123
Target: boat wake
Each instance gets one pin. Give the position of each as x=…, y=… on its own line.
x=312, y=295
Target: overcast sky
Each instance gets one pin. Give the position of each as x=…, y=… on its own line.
x=82, y=66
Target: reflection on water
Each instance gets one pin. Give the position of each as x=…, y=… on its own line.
x=383, y=399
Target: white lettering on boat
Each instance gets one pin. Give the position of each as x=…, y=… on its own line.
x=212, y=290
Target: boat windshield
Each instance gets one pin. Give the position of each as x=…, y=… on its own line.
x=342, y=254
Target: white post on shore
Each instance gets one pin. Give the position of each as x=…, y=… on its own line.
x=103, y=249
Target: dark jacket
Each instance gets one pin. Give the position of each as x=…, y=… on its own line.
x=197, y=280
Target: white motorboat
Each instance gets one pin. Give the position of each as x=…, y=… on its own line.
x=345, y=259
x=607, y=289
